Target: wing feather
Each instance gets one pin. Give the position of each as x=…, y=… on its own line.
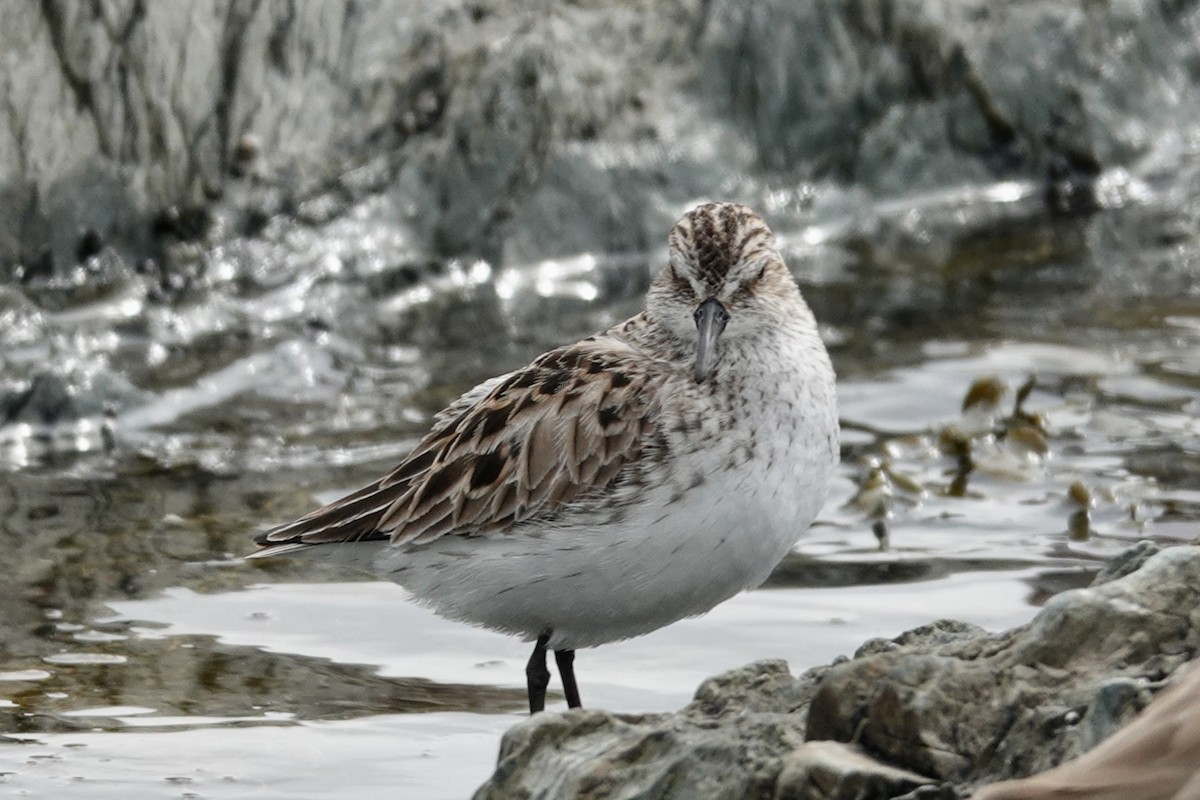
x=514, y=449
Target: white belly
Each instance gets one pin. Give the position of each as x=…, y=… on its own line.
x=668, y=558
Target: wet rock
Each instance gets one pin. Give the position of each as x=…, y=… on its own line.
x=45, y=401
x=496, y=123
x=494, y=150
x=1156, y=757
x=837, y=771
x=21, y=322
x=934, y=712
x=727, y=743
x=1126, y=563
x=1021, y=701
x=91, y=242
x=182, y=224
x=940, y=92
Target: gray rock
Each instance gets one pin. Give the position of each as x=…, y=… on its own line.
x=1024, y=700
x=727, y=743
x=898, y=94
x=836, y=771
x=496, y=124
x=946, y=705
x=1156, y=757
x=1129, y=561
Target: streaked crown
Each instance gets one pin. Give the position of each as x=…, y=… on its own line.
x=719, y=246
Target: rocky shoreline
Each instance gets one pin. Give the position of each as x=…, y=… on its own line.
x=936, y=712
x=493, y=123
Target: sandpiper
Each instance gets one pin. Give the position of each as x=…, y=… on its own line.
x=621, y=483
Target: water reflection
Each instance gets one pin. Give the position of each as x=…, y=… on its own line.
x=187, y=681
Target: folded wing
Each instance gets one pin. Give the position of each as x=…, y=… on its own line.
x=515, y=449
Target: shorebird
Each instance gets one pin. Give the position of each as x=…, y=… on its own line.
x=621, y=483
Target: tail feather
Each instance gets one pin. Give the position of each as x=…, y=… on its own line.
x=272, y=550
x=353, y=518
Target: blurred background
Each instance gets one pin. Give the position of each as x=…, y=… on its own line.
x=249, y=247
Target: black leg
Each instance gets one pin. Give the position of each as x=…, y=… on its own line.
x=537, y=677
x=566, y=670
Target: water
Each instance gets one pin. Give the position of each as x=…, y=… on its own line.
x=148, y=435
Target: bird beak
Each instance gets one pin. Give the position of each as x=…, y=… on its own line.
x=710, y=318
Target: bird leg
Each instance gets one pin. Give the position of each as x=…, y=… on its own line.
x=537, y=677
x=566, y=670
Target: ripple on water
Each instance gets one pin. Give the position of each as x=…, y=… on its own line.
x=76, y=659
x=108, y=711
x=24, y=675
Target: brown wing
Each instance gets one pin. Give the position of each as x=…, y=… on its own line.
x=514, y=449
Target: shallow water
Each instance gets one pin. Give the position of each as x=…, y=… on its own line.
x=444, y=753
x=146, y=438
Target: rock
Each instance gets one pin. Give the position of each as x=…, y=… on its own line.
x=1156, y=757
x=940, y=91
x=992, y=707
x=1127, y=562
x=837, y=771
x=494, y=151
x=45, y=401
x=495, y=123
x=717, y=747
x=932, y=713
